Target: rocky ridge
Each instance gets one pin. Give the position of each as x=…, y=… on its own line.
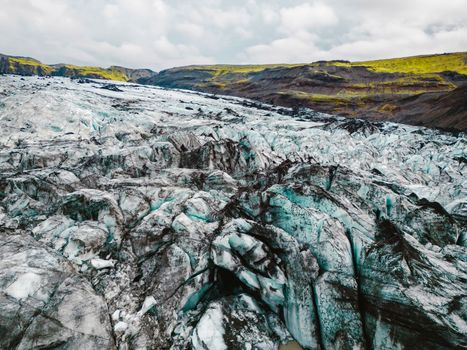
x=135, y=217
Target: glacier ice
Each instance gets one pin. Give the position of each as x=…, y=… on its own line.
x=128, y=221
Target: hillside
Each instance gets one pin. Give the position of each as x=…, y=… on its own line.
x=30, y=66
x=377, y=90
x=421, y=90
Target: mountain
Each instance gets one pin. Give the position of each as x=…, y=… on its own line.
x=377, y=90
x=139, y=217
x=421, y=90
x=30, y=66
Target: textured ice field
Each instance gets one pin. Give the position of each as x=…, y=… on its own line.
x=135, y=217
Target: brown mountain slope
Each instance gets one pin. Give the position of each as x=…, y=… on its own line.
x=421, y=90
x=414, y=90
x=448, y=110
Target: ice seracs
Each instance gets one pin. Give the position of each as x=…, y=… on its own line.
x=225, y=225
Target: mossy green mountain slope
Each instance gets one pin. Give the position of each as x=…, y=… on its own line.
x=30, y=66
x=429, y=90
x=378, y=90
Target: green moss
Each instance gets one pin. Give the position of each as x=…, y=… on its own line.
x=224, y=69
x=19, y=64
x=339, y=64
x=455, y=62
x=15, y=62
x=88, y=71
x=327, y=98
x=25, y=61
x=338, y=100
x=406, y=85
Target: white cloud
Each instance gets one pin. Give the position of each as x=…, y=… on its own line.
x=162, y=33
x=306, y=16
x=364, y=29
x=290, y=49
x=190, y=30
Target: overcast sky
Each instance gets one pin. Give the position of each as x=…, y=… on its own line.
x=160, y=34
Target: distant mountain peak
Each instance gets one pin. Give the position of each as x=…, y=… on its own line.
x=30, y=66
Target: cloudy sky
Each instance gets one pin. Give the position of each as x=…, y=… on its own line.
x=160, y=34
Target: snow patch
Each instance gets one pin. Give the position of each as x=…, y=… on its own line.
x=25, y=286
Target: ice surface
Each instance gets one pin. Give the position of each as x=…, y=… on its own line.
x=222, y=223
x=25, y=285
x=209, y=331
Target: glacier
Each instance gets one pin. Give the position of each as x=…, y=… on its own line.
x=140, y=217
